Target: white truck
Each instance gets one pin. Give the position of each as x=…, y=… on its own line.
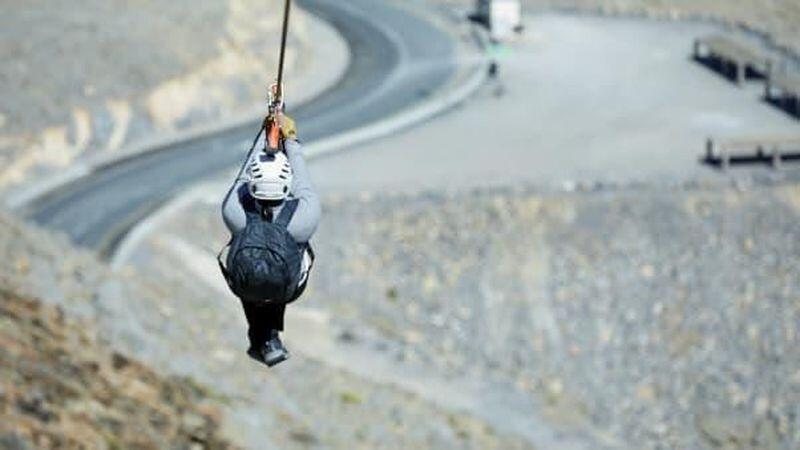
x=503, y=18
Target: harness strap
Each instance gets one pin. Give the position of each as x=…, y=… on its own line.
x=301, y=287
x=287, y=212
x=222, y=267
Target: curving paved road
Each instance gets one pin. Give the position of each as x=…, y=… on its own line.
x=394, y=54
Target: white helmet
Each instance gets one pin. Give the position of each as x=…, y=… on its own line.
x=269, y=176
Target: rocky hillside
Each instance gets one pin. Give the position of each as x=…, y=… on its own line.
x=62, y=388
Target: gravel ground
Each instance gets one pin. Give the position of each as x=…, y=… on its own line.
x=655, y=319
x=107, y=401
x=324, y=405
x=88, y=79
x=658, y=319
x=669, y=319
x=167, y=319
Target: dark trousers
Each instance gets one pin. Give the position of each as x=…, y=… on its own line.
x=261, y=320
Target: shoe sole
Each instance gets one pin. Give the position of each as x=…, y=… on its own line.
x=276, y=358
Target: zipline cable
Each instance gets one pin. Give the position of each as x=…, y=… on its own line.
x=272, y=121
x=286, y=9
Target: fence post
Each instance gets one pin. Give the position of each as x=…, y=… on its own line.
x=776, y=157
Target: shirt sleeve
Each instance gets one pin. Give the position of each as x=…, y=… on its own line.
x=309, y=211
x=232, y=209
x=233, y=213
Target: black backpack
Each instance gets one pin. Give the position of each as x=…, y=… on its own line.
x=264, y=261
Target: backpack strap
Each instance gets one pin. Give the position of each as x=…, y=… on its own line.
x=222, y=267
x=287, y=212
x=300, y=288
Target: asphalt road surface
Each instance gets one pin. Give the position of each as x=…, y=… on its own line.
x=394, y=53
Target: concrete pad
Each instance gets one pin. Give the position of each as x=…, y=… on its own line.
x=587, y=99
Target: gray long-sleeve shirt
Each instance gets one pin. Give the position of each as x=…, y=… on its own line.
x=307, y=216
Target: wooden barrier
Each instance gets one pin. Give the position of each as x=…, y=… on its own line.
x=733, y=54
x=784, y=90
x=771, y=150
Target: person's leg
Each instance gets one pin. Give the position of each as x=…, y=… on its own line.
x=272, y=316
x=257, y=332
x=262, y=319
x=265, y=321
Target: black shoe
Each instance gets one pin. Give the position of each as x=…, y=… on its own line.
x=270, y=353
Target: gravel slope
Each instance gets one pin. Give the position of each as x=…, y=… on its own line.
x=62, y=388
x=668, y=319
x=648, y=318
x=167, y=318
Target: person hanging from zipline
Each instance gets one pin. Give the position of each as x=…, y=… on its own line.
x=271, y=211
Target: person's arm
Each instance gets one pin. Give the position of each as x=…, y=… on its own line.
x=309, y=212
x=232, y=210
